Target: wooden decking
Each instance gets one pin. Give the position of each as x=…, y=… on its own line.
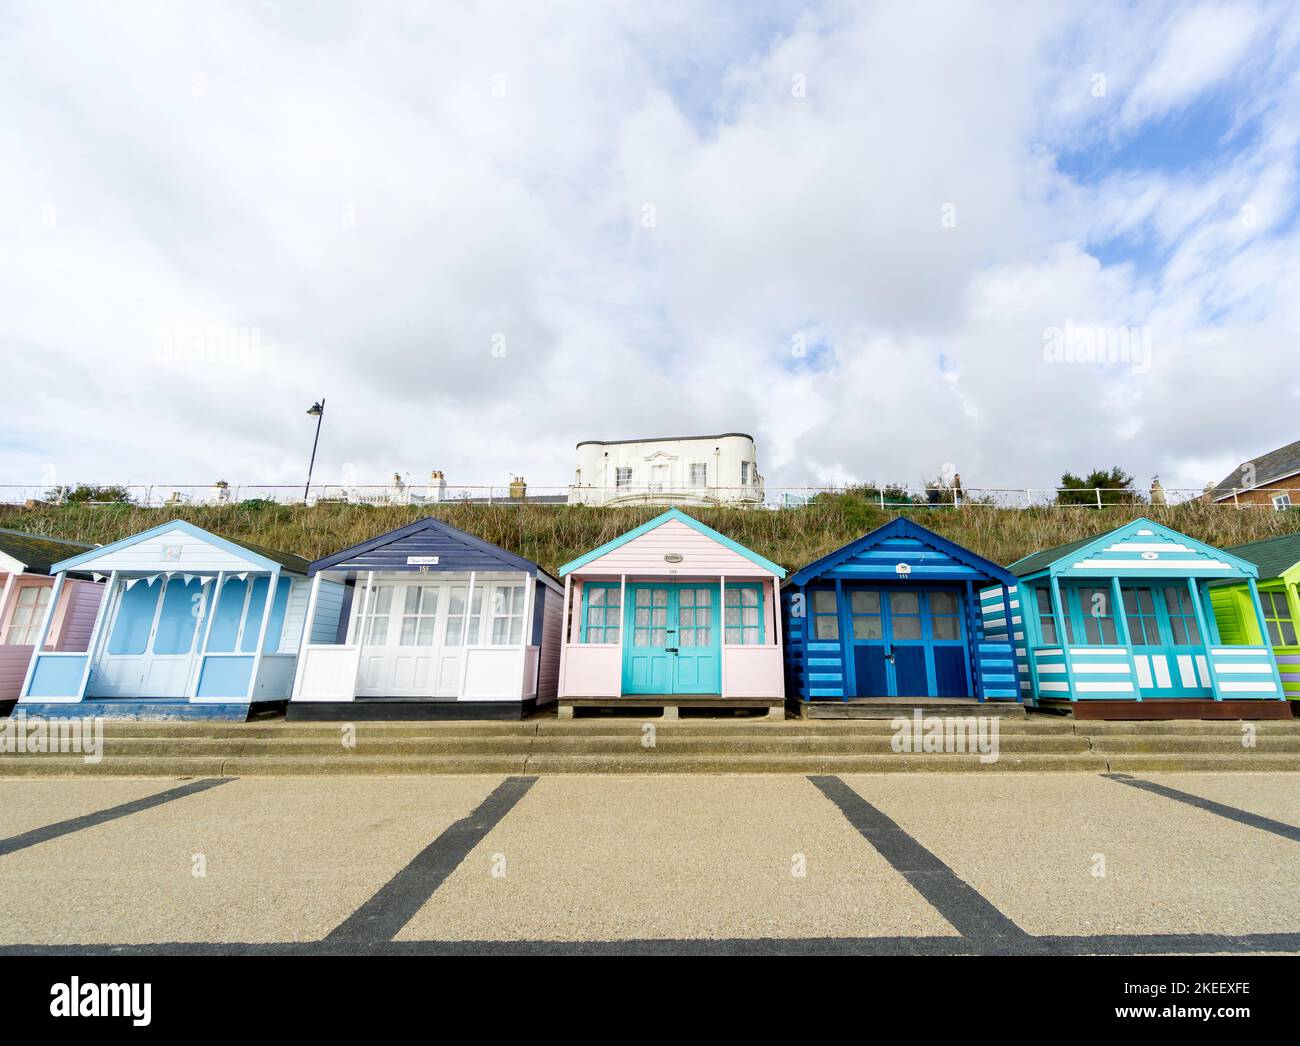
x=889, y=707
x=1174, y=708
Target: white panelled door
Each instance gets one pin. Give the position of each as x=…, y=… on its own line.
x=411, y=639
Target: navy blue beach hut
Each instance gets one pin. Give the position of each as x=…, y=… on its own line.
x=428, y=622
x=896, y=614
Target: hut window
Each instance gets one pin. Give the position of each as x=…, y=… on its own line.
x=695, y=617
x=134, y=621
x=1182, y=616
x=945, y=615
x=868, y=622
x=507, y=615
x=623, y=477
x=699, y=474
x=177, y=621
x=744, y=473
x=744, y=614
x=603, y=616
x=455, y=631
x=905, y=615
x=1282, y=502
x=419, y=615
x=1098, y=617
x=375, y=630
x=1277, y=616
x=1140, y=612
x=826, y=619
x=28, y=612
x=1046, y=622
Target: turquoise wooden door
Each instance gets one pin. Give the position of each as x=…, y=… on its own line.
x=1166, y=640
x=674, y=643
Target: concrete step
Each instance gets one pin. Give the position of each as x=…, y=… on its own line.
x=163, y=747
x=1182, y=762
x=1185, y=743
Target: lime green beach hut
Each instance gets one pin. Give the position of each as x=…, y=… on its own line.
x=1278, y=560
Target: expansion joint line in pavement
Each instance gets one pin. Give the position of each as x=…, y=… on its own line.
x=969, y=912
x=112, y=813
x=1232, y=813
x=382, y=917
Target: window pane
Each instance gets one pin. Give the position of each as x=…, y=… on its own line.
x=868, y=627
x=1108, y=631
x=943, y=603
x=253, y=615
x=1288, y=634
x=827, y=626
x=1193, y=630
x=823, y=602
x=905, y=627
x=947, y=628
x=865, y=602
x=134, y=619
x=904, y=603
x=176, y=623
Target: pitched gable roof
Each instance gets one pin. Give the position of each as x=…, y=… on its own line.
x=38, y=554
x=1163, y=547
x=660, y=520
x=481, y=552
x=1269, y=468
x=901, y=528
x=265, y=558
x=1273, y=556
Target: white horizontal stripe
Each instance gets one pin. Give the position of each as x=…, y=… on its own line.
x=1051, y=668
x=1230, y=669
x=1109, y=688
x=1046, y=651
x=1099, y=651
x=1248, y=688
x=1055, y=687
x=1150, y=564
x=1146, y=533
x=1239, y=651
x=1120, y=669
x=1137, y=546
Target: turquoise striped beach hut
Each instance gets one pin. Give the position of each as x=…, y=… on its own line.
x=1126, y=616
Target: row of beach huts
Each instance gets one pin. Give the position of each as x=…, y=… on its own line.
x=431, y=622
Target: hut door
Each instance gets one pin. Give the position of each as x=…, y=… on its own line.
x=908, y=642
x=401, y=640
x=674, y=644
x=151, y=644
x=1166, y=639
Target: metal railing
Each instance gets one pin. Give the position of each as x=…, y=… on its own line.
x=888, y=496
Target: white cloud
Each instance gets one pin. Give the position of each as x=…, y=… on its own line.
x=385, y=198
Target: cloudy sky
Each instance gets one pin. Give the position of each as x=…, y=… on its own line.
x=871, y=235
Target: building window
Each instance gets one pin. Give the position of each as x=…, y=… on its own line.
x=623, y=476
x=1046, y=622
x=455, y=633
x=602, y=619
x=699, y=474
x=1098, y=617
x=1277, y=616
x=29, y=611
x=744, y=473
x=507, y=615
x=1281, y=501
x=374, y=627
x=744, y=615
x=826, y=615
x=945, y=615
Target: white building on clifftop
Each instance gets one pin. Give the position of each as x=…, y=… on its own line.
x=674, y=470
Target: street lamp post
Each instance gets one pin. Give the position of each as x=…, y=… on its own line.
x=316, y=410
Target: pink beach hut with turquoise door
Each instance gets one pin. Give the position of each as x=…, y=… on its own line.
x=671, y=615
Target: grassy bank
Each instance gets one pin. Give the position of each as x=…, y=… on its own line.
x=552, y=535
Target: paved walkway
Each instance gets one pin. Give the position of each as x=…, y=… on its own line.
x=859, y=863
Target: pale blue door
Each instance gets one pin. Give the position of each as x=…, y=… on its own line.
x=647, y=662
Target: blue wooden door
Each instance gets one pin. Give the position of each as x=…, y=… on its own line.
x=907, y=642
x=674, y=643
